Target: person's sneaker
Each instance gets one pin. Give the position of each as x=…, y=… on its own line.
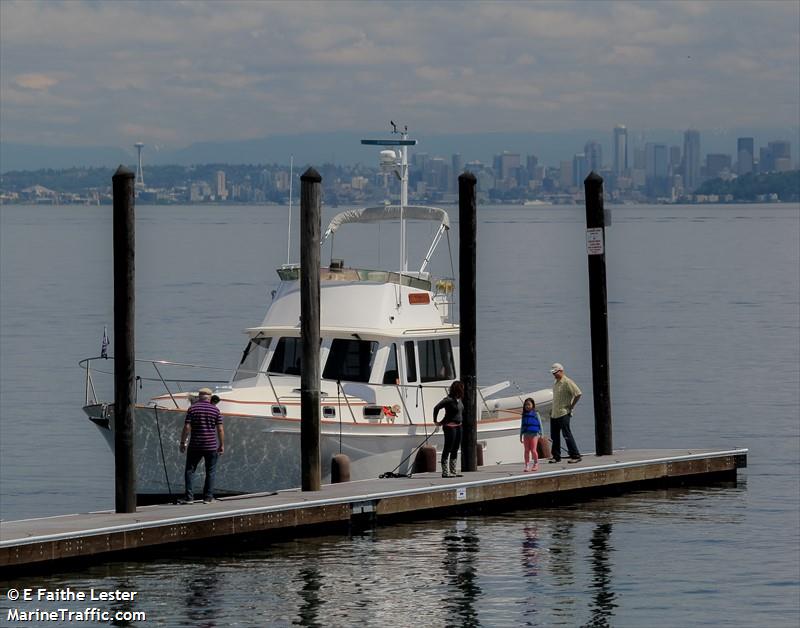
x=208, y=500
x=554, y=460
x=184, y=502
x=574, y=460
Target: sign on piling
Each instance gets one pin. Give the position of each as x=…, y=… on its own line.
x=310, y=200
x=124, y=355
x=467, y=234
x=598, y=313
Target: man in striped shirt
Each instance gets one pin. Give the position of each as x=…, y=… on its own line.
x=565, y=395
x=203, y=438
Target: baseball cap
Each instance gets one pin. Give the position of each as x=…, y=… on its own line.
x=556, y=368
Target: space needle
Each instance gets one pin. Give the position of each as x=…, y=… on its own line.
x=139, y=182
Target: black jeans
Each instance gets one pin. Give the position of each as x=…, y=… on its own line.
x=452, y=441
x=558, y=425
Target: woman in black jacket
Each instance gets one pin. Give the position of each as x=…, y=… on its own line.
x=451, y=426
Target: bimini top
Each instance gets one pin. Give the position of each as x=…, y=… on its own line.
x=388, y=212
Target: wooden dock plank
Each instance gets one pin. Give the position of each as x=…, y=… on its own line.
x=43, y=540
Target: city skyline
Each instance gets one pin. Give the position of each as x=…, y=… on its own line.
x=344, y=148
x=169, y=74
x=657, y=172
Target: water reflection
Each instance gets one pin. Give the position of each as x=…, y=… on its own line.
x=122, y=584
x=603, y=598
x=531, y=558
x=203, y=597
x=462, y=547
x=562, y=554
x=311, y=601
x=530, y=551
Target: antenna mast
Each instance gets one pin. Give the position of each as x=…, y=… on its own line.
x=289, y=232
x=400, y=169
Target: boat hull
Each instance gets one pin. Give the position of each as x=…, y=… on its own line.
x=262, y=454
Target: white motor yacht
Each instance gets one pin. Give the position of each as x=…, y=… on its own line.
x=389, y=352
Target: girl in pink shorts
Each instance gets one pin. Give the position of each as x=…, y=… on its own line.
x=529, y=432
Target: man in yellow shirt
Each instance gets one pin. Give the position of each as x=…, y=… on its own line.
x=565, y=395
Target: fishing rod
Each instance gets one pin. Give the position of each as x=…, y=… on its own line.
x=393, y=473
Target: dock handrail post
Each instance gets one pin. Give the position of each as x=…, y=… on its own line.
x=124, y=354
x=310, y=201
x=467, y=233
x=598, y=312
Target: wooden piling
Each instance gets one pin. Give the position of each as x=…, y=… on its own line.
x=598, y=308
x=124, y=354
x=310, y=201
x=468, y=230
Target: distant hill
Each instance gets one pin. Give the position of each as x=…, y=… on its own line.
x=344, y=148
x=15, y=156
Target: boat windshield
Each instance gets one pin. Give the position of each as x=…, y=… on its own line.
x=350, y=360
x=436, y=360
x=287, y=356
x=252, y=358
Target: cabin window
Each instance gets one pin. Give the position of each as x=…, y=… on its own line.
x=436, y=360
x=411, y=362
x=252, y=358
x=329, y=412
x=286, y=358
x=350, y=360
x=392, y=373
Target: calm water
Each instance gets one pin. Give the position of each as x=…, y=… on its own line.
x=704, y=322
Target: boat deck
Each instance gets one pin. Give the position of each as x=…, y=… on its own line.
x=37, y=543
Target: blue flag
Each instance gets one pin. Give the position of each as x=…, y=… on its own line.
x=104, y=346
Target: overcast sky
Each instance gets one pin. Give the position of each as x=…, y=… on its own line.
x=173, y=73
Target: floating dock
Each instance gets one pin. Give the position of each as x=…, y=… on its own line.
x=38, y=543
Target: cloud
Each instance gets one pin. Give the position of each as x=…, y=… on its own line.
x=35, y=81
x=193, y=71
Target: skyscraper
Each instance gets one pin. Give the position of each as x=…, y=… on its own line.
x=531, y=161
x=745, y=152
x=509, y=162
x=674, y=160
x=656, y=169
x=580, y=169
x=717, y=164
x=222, y=190
x=620, y=150
x=566, y=179
x=691, y=159
x=780, y=152
x=594, y=155
x=457, y=168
